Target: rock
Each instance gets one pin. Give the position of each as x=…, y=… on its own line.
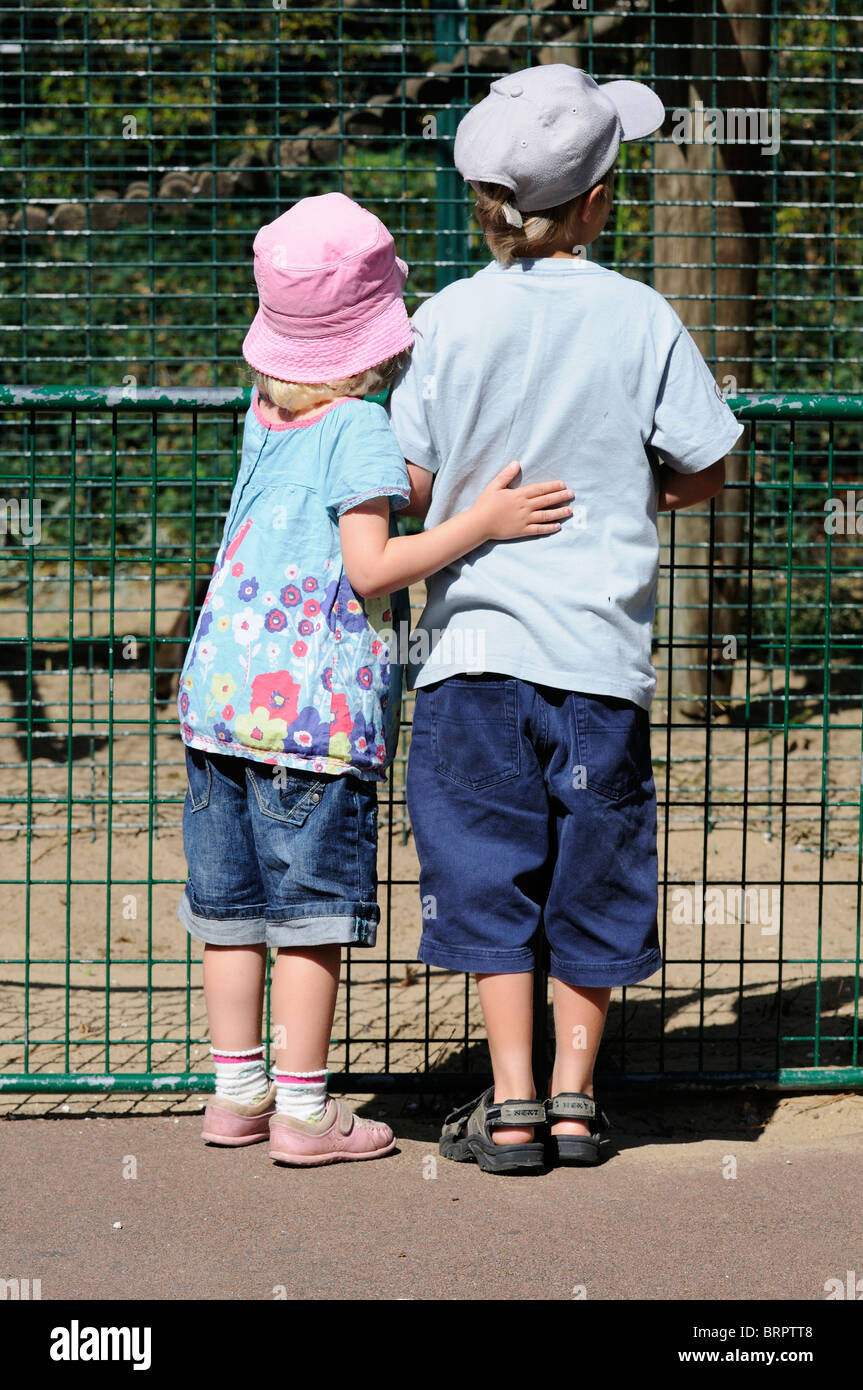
x=207, y=186
x=251, y=175
x=136, y=201
x=368, y=120
x=325, y=146
x=571, y=55
x=434, y=86
x=30, y=218
x=69, y=217
x=493, y=58
x=175, y=190
x=105, y=211
x=291, y=154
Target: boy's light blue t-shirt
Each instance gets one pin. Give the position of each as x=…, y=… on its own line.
x=576, y=371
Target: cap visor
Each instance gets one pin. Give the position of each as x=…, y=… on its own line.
x=639, y=108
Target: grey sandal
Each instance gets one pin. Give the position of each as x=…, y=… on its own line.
x=466, y=1136
x=575, y=1150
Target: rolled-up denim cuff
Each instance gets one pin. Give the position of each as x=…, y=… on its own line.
x=346, y=930
x=222, y=931
x=331, y=924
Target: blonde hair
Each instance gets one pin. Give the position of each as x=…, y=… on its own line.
x=302, y=395
x=544, y=231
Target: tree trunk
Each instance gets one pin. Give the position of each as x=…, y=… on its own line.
x=725, y=72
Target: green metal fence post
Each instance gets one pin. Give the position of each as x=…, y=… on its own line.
x=449, y=195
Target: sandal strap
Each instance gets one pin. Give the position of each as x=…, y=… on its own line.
x=464, y=1112
x=571, y=1105
x=514, y=1112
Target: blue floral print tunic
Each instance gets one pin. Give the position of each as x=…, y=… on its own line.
x=287, y=665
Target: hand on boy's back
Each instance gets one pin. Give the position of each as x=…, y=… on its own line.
x=534, y=510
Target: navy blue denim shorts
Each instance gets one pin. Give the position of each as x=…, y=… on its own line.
x=534, y=809
x=278, y=856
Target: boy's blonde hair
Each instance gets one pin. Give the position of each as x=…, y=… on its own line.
x=302, y=395
x=545, y=231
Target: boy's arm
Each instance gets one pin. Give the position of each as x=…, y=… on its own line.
x=685, y=489
x=377, y=563
x=692, y=423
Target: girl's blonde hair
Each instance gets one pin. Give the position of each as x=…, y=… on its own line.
x=545, y=231
x=302, y=395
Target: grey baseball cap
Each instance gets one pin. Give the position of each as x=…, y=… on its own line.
x=550, y=132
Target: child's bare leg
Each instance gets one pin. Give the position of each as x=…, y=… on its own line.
x=579, y=1018
x=507, y=1006
x=234, y=991
x=303, y=995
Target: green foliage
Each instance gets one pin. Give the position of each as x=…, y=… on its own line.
x=168, y=300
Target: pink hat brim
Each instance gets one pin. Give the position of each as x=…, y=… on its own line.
x=328, y=359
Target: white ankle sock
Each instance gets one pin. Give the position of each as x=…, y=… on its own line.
x=302, y=1094
x=240, y=1075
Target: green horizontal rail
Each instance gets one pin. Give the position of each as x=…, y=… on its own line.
x=431, y=1083
x=794, y=405
x=750, y=405
x=123, y=398
x=779, y=552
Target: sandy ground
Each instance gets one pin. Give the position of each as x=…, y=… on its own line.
x=101, y=848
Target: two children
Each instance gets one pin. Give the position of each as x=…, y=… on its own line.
x=530, y=785
x=288, y=699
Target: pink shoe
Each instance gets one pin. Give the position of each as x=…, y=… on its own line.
x=231, y=1123
x=338, y=1135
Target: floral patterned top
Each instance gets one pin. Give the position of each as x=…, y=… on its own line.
x=287, y=664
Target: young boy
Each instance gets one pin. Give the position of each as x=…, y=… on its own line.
x=530, y=786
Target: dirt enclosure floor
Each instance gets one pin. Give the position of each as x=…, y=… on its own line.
x=96, y=970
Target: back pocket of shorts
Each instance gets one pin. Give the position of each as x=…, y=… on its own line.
x=474, y=731
x=199, y=774
x=283, y=796
x=614, y=743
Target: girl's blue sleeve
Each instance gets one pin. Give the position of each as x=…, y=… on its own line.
x=366, y=461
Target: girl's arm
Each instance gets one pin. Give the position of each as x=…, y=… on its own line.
x=685, y=489
x=377, y=563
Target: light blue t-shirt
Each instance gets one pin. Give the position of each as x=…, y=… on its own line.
x=287, y=664
x=577, y=372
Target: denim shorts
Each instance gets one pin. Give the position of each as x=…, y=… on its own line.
x=278, y=856
x=534, y=809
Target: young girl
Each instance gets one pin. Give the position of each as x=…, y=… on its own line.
x=288, y=698
x=530, y=787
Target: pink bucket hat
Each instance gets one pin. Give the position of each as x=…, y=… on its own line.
x=330, y=293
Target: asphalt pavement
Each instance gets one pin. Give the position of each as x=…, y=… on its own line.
x=135, y=1206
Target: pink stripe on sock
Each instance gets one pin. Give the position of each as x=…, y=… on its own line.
x=285, y=1076
x=232, y=1056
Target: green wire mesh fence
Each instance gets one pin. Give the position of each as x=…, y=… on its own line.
x=112, y=509
x=140, y=149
